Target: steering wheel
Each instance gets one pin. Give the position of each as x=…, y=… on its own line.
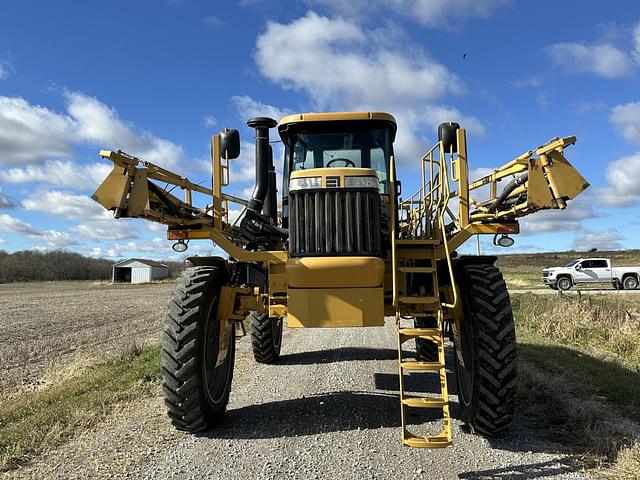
x=347, y=162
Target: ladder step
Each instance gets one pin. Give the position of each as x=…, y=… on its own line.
x=425, y=366
x=417, y=242
x=419, y=300
x=420, y=332
x=417, y=269
x=436, y=441
x=423, y=402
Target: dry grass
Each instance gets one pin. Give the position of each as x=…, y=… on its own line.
x=580, y=375
x=33, y=421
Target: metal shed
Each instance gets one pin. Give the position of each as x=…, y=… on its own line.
x=138, y=270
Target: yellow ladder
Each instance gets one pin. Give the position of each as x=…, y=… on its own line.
x=420, y=305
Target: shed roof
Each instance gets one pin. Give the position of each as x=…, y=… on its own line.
x=150, y=263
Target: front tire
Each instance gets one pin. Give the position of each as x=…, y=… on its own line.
x=487, y=372
x=196, y=390
x=564, y=283
x=266, y=337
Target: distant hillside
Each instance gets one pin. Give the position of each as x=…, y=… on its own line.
x=554, y=259
x=33, y=266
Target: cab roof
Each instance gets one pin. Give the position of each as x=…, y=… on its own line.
x=337, y=116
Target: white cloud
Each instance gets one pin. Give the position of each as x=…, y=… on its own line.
x=6, y=69
x=433, y=13
x=5, y=201
x=570, y=218
x=64, y=205
x=626, y=118
x=62, y=173
x=212, y=21
x=603, y=60
x=96, y=223
x=32, y=134
x=13, y=224
x=623, y=176
x=248, y=108
x=601, y=240
x=52, y=238
x=210, y=121
x=636, y=43
x=343, y=66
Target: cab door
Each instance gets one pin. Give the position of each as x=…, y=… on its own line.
x=583, y=273
x=600, y=271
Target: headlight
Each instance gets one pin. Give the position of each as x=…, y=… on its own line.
x=305, y=182
x=361, y=182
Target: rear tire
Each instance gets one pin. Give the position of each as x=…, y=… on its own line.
x=196, y=391
x=266, y=337
x=564, y=283
x=426, y=351
x=630, y=282
x=487, y=379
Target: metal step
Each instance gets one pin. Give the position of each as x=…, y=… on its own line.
x=424, y=366
x=419, y=300
x=420, y=332
x=423, y=402
x=417, y=269
x=443, y=439
x=417, y=242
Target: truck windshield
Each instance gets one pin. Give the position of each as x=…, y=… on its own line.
x=572, y=263
x=366, y=148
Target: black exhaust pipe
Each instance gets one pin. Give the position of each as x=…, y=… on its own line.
x=270, y=208
x=262, y=126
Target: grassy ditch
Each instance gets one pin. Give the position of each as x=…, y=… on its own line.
x=32, y=421
x=580, y=375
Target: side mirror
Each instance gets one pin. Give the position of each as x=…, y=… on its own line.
x=229, y=143
x=578, y=267
x=447, y=134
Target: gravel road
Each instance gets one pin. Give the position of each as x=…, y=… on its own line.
x=329, y=409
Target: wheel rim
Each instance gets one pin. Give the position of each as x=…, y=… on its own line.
x=563, y=284
x=216, y=378
x=465, y=373
x=630, y=283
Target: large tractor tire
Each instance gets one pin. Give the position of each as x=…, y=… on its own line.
x=266, y=337
x=426, y=351
x=196, y=391
x=488, y=375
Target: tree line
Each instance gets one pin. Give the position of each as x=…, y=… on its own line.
x=32, y=266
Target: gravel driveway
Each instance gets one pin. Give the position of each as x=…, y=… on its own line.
x=328, y=410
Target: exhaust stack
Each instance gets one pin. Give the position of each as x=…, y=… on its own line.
x=264, y=161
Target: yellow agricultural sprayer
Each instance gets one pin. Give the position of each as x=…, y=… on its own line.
x=344, y=250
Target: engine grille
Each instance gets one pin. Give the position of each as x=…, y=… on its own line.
x=334, y=222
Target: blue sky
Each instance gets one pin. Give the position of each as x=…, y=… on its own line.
x=156, y=78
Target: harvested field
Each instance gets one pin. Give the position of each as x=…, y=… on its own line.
x=59, y=326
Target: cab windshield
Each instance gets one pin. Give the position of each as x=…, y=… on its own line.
x=572, y=263
x=364, y=148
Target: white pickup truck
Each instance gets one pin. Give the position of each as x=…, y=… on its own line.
x=586, y=271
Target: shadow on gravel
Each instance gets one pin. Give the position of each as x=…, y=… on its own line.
x=521, y=472
x=334, y=355
x=329, y=412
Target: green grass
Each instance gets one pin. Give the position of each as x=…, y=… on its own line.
x=32, y=421
x=580, y=374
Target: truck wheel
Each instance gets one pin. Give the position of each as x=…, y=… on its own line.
x=564, y=283
x=266, y=337
x=196, y=391
x=630, y=282
x=426, y=351
x=486, y=363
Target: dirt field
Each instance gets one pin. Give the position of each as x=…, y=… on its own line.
x=46, y=326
